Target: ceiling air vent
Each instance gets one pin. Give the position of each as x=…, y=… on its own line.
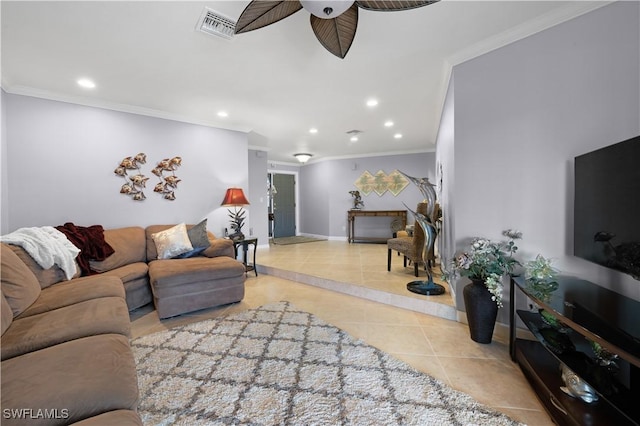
x=214, y=23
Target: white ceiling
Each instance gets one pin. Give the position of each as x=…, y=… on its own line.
x=278, y=81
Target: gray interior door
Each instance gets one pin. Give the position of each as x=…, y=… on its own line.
x=284, y=206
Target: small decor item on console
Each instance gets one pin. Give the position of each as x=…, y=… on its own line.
x=133, y=184
x=169, y=183
x=357, y=200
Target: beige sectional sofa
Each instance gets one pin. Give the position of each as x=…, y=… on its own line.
x=65, y=344
x=65, y=349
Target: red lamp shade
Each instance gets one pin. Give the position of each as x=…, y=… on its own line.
x=234, y=197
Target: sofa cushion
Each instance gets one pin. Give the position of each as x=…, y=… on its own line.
x=129, y=272
x=129, y=245
x=112, y=418
x=19, y=286
x=198, y=235
x=75, y=291
x=171, y=273
x=86, y=377
x=46, y=277
x=6, y=313
x=219, y=247
x=172, y=242
x=106, y=315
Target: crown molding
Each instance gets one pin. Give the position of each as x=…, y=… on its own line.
x=113, y=106
x=573, y=10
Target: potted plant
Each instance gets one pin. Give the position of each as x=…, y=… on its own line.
x=485, y=263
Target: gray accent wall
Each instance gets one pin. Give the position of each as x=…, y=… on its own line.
x=522, y=113
x=60, y=161
x=4, y=188
x=257, y=194
x=325, y=198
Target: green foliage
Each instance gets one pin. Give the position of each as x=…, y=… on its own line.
x=488, y=261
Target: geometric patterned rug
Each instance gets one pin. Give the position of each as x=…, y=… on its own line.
x=278, y=365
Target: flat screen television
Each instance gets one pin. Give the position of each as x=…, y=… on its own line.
x=607, y=207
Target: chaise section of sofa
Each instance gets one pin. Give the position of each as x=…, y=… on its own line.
x=65, y=349
x=210, y=279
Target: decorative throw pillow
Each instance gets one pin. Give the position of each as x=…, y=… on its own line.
x=198, y=235
x=172, y=242
x=192, y=253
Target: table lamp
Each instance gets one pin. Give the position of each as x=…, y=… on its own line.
x=235, y=198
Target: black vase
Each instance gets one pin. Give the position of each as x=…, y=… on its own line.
x=481, y=311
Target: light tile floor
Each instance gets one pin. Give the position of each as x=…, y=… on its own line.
x=430, y=343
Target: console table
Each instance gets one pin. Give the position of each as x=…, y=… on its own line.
x=585, y=313
x=351, y=219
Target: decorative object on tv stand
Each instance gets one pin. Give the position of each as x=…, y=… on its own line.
x=576, y=387
x=357, y=200
x=485, y=263
x=303, y=157
x=167, y=185
x=541, y=277
x=133, y=184
x=235, y=198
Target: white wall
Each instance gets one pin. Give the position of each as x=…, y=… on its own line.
x=61, y=158
x=523, y=112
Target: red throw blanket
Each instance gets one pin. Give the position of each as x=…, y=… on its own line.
x=90, y=241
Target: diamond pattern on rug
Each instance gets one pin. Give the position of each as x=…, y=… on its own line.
x=277, y=365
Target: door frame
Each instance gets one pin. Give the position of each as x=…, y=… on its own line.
x=296, y=191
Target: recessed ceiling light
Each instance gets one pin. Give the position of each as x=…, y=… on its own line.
x=86, y=83
x=398, y=136
x=372, y=102
x=313, y=130
x=388, y=123
x=223, y=114
x=354, y=139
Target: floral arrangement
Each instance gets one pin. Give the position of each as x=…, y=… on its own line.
x=541, y=277
x=488, y=261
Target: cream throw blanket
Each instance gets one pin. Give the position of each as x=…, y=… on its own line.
x=47, y=246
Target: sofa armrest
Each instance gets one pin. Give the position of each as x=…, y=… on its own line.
x=220, y=247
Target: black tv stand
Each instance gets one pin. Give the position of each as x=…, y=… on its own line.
x=587, y=313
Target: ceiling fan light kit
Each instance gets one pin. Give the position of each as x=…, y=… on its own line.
x=334, y=22
x=326, y=9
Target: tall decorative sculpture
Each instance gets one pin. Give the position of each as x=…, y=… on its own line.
x=427, y=287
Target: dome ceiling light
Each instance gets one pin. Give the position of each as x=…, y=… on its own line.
x=303, y=157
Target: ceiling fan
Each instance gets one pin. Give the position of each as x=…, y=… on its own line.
x=333, y=22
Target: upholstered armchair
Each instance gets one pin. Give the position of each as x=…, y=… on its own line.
x=410, y=247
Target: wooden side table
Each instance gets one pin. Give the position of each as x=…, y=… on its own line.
x=245, y=248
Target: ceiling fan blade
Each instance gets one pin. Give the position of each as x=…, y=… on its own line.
x=260, y=13
x=393, y=5
x=337, y=34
